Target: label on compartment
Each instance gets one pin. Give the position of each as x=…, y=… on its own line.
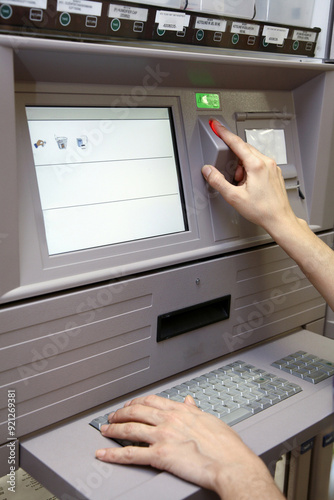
x=245, y=28
x=275, y=34
x=208, y=23
x=304, y=36
x=37, y=4
x=128, y=12
x=83, y=7
x=171, y=21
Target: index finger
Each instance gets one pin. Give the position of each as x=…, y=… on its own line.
x=240, y=148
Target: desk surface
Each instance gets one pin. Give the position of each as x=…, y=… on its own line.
x=62, y=458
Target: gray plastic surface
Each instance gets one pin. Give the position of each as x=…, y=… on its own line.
x=63, y=458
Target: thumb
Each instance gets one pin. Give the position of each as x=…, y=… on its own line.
x=218, y=182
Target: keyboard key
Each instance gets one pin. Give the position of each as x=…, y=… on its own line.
x=204, y=405
x=98, y=421
x=327, y=367
x=300, y=354
x=236, y=416
x=264, y=403
x=316, y=376
x=279, y=364
x=254, y=407
x=302, y=373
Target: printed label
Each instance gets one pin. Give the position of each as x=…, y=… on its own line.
x=128, y=12
x=83, y=7
x=171, y=21
x=245, y=29
x=304, y=36
x=275, y=34
x=38, y=4
x=207, y=23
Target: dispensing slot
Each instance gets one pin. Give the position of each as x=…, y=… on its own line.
x=194, y=317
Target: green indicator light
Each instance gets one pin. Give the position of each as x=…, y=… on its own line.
x=207, y=101
x=115, y=24
x=295, y=45
x=235, y=39
x=6, y=11
x=65, y=18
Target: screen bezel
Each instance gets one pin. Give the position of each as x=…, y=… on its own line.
x=116, y=259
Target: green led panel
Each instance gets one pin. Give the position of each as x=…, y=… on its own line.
x=207, y=101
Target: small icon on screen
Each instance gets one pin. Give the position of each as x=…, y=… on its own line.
x=82, y=142
x=62, y=142
x=39, y=143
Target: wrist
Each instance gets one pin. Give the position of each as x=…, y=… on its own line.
x=286, y=229
x=254, y=482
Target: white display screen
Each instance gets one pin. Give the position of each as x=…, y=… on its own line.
x=105, y=175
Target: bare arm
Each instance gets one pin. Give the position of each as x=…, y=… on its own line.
x=260, y=197
x=191, y=444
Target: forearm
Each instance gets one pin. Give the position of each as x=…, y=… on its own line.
x=254, y=482
x=314, y=257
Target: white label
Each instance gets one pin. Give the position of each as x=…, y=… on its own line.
x=128, y=12
x=275, y=34
x=245, y=29
x=38, y=4
x=171, y=21
x=207, y=23
x=304, y=36
x=83, y=7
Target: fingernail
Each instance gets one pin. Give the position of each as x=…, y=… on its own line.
x=206, y=171
x=214, y=124
x=103, y=428
x=100, y=454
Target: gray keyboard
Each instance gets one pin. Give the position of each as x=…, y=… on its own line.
x=232, y=393
x=306, y=366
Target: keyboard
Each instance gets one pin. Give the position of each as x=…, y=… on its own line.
x=306, y=366
x=238, y=390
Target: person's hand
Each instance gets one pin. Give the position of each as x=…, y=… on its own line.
x=189, y=443
x=260, y=194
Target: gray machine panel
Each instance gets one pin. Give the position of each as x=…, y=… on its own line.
x=68, y=353
x=63, y=457
x=133, y=76
x=73, y=342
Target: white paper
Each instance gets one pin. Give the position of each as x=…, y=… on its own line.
x=211, y=24
x=245, y=28
x=26, y=488
x=270, y=142
x=37, y=4
x=275, y=34
x=83, y=7
x=128, y=12
x=171, y=21
x=304, y=36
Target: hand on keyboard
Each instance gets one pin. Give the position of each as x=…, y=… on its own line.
x=189, y=443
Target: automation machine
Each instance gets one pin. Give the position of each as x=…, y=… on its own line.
x=122, y=273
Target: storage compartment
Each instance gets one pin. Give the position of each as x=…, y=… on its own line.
x=241, y=9
x=294, y=12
